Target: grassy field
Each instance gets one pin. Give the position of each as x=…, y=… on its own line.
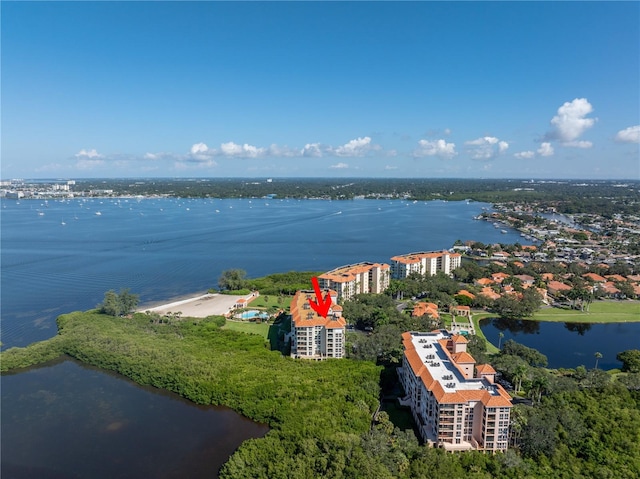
x=599, y=312
x=270, y=331
x=270, y=300
x=261, y=329
x=476, y=317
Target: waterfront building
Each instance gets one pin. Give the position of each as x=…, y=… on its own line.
x=312, y=336
x=426, y=263
x=357, y=278
x=456, y=404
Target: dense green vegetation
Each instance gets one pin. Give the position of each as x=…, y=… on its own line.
x=587, y=423
x=234, y=281
x=603, y=197
x=583, y=423
x=118, y=304
x=283, y=283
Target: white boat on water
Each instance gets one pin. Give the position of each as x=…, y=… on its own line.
x=98, y=213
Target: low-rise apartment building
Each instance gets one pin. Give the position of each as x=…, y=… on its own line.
x=454, y=407
x=315, y=337
x=354, y=279
x=426, y=263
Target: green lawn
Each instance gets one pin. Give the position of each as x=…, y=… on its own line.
x=270, y=300
x=269, y=331
x=261, y=329
x=476, y=317
x=400, y=416
x=599, y=312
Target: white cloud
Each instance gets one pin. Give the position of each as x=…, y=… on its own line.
x=629, y=135
x=579, y=144
x=199, y=148
x=281, y=151
x=545, y=149
x=354, y=148
x=570, y=122
x=524, y=155
x=438, y=148
x=486, y=147
x=357, y=147
x=340, y=166
x=88, y=154
x=242, y=151
x=312, y=150
x=390, y=167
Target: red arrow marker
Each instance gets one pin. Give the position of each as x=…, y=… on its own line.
x=322, y=305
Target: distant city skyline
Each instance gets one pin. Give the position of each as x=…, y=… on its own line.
x=321, y=89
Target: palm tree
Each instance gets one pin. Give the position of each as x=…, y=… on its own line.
x=500, y=336
x=539, y=385
x=598, y=355
x=519, y=375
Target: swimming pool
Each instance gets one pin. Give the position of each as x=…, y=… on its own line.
x=252, y=314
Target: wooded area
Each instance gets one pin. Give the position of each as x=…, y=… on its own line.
x=587, y=424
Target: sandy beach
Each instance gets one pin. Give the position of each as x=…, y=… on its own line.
x=199, y=306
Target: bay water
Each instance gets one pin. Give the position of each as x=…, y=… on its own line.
x=62, y=256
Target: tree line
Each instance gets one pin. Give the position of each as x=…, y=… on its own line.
x=605, y=198
x=584, y=424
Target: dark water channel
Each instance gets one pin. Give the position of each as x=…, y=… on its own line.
x=68, y=420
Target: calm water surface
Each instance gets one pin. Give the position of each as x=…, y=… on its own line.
x=73, y=421
x=568, y=345
x=163, y=248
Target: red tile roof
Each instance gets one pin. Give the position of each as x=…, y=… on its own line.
x=464, y=292
x=302, y=317
x=596, y=278
x=500, y=398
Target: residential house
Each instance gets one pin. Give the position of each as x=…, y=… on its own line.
x=547, y=276
x=421, y=308
x=525, y=279
x=499, y=277
x=484, y=282
x=616, y=278
x=555, y=288
x=609, y=289
x=464, y=292
x=594, y=278
x=488, y=292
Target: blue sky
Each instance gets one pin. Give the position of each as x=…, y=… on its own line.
x=363, y=89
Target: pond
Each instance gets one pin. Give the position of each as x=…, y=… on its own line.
x=568, y=345
x=70, y=420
